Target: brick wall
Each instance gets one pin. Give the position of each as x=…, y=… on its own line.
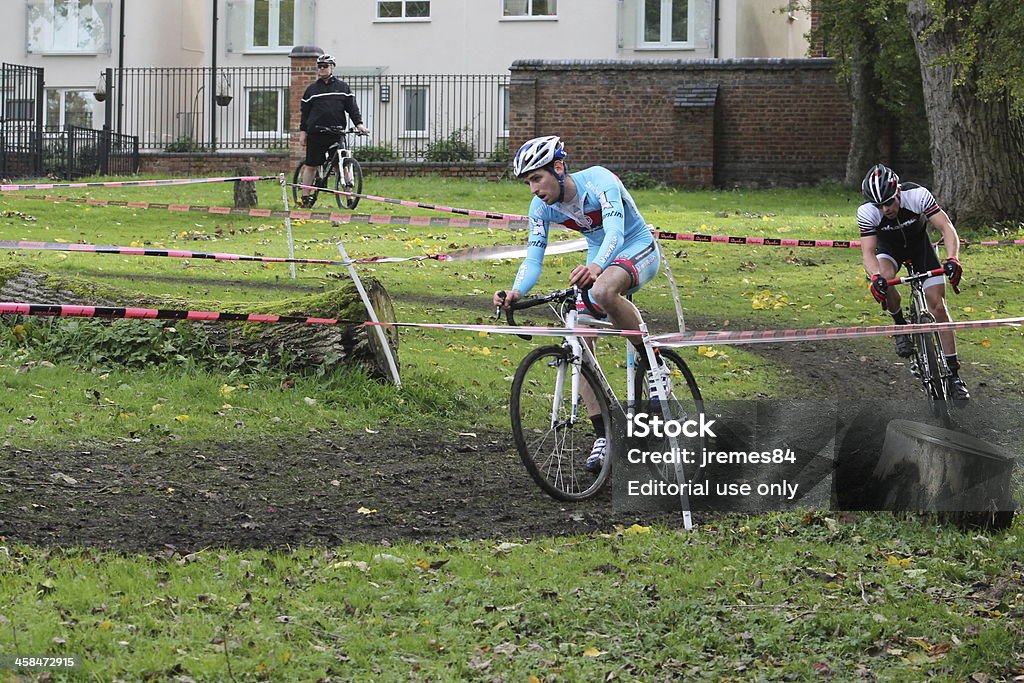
x=772, y=122
x=208, y=165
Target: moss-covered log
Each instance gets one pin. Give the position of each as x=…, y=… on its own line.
x=298, y=346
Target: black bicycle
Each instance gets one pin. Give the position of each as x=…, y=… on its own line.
x=928, y=363
x=340, y=167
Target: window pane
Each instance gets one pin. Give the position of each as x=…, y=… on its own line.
x=77, y=110
x=389, y=10
x=680, y=21
x=652, y=21
x=52, y=108
x=515, y=8
x=65, y=24
x=417, y=8
x=261, y=23
x=415, y=109
x=544, y=8
x=286, y=32
x=263, y=111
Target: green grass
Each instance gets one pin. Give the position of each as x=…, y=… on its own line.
x=774, y=597
x=777, y=597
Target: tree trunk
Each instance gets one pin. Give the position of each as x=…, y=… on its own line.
x=977, y=147
x=245, y=190
x=867, y=122
x=299, y=346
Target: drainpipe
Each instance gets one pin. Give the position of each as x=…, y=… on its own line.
x=213, y=83
x=120, y=68
x=714, y=53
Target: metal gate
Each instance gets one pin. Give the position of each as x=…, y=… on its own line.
x=21, y=120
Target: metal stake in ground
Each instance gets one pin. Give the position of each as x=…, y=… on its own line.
x=373, y=315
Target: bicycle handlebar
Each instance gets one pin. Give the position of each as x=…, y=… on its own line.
x=340, y=130
x=560, y=295
x=915, y=277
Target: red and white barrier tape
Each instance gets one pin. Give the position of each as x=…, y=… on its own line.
x=466, y=254
x=135, y=183
x=304, y=214
x=672, y=340
x=418, y=205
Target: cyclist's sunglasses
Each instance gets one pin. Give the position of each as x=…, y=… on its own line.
x=884, y=204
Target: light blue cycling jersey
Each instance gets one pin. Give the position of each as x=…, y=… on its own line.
x=602, y=210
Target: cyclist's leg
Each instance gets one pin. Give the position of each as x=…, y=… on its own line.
x=316, y=149
x=890, y=256
x=634, y=266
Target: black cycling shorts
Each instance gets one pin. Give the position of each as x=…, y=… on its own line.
x=919, y=252
x=317, y=145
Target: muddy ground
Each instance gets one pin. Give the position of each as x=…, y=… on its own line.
x=325, y=489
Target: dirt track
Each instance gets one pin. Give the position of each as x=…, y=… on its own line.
x=311, y=489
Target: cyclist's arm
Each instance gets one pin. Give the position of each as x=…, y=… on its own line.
x=867, y=252
x=529, y=270
x=613, y=220
x=950, y=238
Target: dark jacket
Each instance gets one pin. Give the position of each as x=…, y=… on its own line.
x=326, y=104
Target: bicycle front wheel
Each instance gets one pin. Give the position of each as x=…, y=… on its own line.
x=553, y=436
x=684, y=399
x=935, y=384
x=298, y=192
x=349, y=180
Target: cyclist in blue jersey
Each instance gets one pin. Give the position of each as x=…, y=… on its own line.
x=622, y=256
x=893, y=229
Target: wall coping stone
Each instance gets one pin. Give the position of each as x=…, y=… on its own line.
x=739, y=64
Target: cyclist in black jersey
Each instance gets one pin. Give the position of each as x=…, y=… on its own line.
x=893, y=229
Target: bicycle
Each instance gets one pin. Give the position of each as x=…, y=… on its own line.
x=338, y=163
x=927, y=364
x=552, y=434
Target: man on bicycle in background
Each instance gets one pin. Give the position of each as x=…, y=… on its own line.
x=622, y=255
x=324, y=105
x=894, y=229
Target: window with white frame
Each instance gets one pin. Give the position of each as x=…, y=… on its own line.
x=67, y=26
x=666, y=23
x=414, y=119
x=65, y=107
x=273, y=26
x=403, y=9
x=267, y=112
x=503, y=93
x=529, y=8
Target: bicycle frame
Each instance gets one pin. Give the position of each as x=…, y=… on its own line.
x=928, y=357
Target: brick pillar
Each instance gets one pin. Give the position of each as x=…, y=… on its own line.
x=303, y=63
x=522, y=124
x=693, y=155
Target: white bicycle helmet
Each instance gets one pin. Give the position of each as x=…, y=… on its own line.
x=537, y=153
x=880, y=185
x=325, y=59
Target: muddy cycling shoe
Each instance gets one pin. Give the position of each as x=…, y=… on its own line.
x=596, y=459
x=655, y=380
x=306, y=202
x=958, y=390
x=904, y=346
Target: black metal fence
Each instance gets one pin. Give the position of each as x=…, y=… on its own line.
x=73, y=152
x=21, y=119
x=29, y=149
x=413, y=118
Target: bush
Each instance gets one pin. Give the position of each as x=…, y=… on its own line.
x=184, y=143
x=501, y=152
x=638, y=180
x=455, y=148
x=376, y=153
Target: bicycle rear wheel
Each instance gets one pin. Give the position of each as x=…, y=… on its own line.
x=298, y=192
x=349, y=180
x=553, y=445
x=685, y=402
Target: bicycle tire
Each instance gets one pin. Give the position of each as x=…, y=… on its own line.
x=349, y=201
x=555, y=454
x=297, y=192
x=936, y=387
x=686, y=404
